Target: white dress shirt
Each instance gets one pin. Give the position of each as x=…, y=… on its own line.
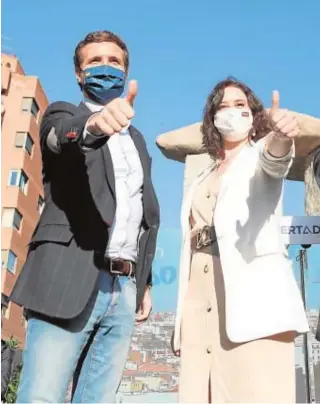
x=128, y=173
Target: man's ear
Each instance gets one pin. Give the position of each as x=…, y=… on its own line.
x=79, y=79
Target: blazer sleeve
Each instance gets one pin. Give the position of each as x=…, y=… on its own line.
x=275, y=167
x=149, y=279
x=62, y=127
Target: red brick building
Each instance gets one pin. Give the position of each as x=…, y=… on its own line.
x=22, y=195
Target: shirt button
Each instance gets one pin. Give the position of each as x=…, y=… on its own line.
x=209, y=350
x=209, y=308
x=206, y=269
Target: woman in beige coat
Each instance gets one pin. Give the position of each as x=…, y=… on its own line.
x=239, y=308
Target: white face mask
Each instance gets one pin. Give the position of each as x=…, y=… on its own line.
x=234, y=124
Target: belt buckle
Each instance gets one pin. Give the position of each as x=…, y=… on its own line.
x=113, y=271
x=202, y=237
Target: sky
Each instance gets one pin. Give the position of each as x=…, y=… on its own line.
x=179, y=49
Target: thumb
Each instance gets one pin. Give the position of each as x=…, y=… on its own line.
x=132, y=91
x=275, y=104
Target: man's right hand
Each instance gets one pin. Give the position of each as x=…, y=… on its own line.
x=116, y=115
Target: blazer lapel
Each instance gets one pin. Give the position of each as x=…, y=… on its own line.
x=108, y=168
x=83, y=108
x=106, y=156
x=144, y=158
x=141, y=148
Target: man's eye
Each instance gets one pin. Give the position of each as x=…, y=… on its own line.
x=93, y=63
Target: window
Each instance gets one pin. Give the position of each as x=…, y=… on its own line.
x=24, y=140
x=5, y=306
x=29, y=105
x=11, y=217
x=24, y=318
x=18, y=178
x=9, y=260
x=40, y=204
x=23, y=321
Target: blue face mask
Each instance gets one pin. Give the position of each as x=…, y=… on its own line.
x=103, y=83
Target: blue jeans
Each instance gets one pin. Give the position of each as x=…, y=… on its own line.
x=53, y=349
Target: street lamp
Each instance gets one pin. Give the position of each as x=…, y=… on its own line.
x=302, y=258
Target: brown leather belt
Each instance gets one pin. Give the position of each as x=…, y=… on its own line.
x=121, y=267
x=203, y=237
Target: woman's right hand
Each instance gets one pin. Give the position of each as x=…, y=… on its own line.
x=176, y=353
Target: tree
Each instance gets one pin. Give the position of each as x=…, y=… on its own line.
x=9, y=377
x=12, y=390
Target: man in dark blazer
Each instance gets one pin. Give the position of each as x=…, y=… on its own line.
x=87, y=276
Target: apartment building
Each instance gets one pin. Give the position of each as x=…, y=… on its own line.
x=24, y=103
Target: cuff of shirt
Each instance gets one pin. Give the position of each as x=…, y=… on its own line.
x=86, y=132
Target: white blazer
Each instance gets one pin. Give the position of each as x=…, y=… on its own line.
x=262, y=296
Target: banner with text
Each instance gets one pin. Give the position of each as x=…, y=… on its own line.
x=301, y=229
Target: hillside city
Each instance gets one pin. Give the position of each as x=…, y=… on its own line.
x=152, y=367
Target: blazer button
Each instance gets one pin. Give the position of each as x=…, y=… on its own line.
x=206, y=269
x=209, y=350
x=209, y=308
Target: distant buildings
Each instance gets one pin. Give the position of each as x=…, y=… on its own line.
x=152, y=367
x=24, y=102
x=314, y=358
x=151, y=362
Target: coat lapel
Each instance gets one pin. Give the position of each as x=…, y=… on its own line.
x=142, y=151
x=83, y=108
x=108, y=166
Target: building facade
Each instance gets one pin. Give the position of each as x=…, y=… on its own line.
x=24, y=103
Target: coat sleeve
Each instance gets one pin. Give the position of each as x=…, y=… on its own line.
x=62, y=127
x=275, y=167
x=305, y=143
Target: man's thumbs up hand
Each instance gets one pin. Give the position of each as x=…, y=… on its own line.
x=116, y=115
x=132, y=91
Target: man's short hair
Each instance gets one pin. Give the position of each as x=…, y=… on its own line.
x=96, y=37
